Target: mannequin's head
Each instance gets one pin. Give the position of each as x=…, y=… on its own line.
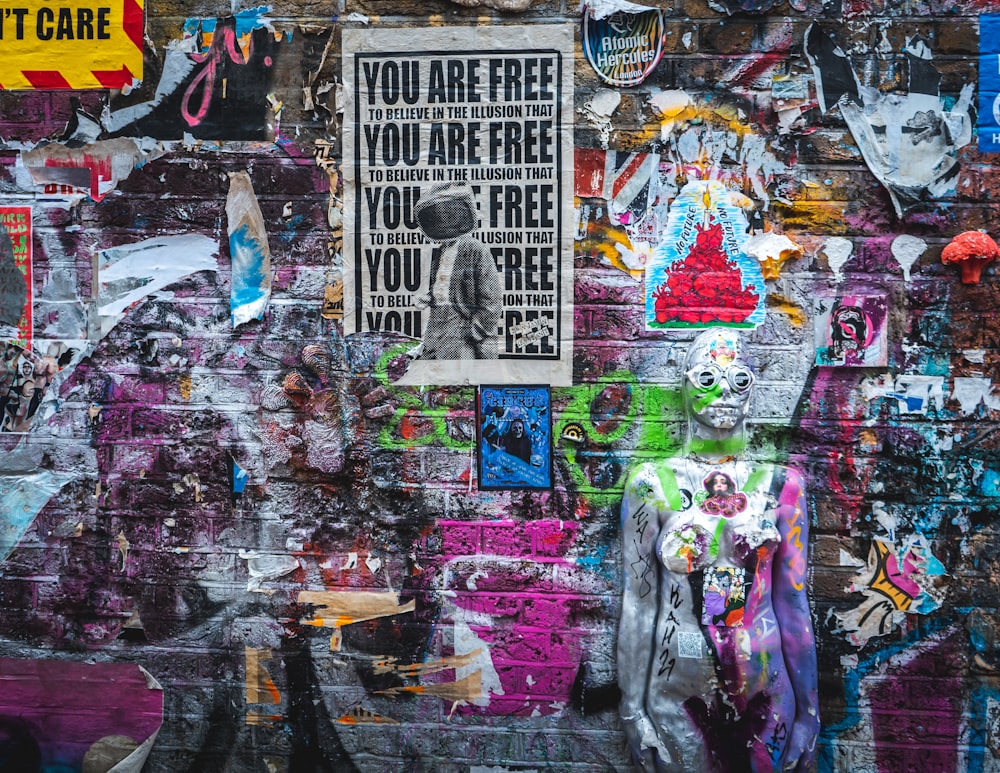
x=717, y=383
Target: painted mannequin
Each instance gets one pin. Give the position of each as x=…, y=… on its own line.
x=716, y=656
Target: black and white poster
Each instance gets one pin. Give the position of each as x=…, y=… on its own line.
x=458, y=172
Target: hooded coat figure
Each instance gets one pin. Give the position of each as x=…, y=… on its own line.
x=465, y=290
x=716, y=656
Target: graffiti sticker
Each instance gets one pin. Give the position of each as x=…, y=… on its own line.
x=515, y=437
x=624, y=48
x=851, y=331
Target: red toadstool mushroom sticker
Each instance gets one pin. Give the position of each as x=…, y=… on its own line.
x=971, y=250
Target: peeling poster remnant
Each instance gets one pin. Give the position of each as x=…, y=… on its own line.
x=15, y=275
x=623, y=48
x=458, y=200
x=213, y=85
x=627, y=181
x=260, y=687
x=21, y=498
x=129, y=273
x=701, y=276
x=251, y=256
x=116, y=712
x=910, y=142
x=335, y=609
x=94, y=169
x=25, y=377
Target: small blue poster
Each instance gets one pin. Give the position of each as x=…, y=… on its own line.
x=515, y=437
x=989, y=83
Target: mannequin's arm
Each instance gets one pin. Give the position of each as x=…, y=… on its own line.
x=636, y=630
x=791, y=606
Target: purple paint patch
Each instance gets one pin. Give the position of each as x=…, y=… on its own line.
x=919, y=703
x=526, y=602
x=65, y=708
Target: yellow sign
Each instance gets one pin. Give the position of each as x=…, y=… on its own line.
x=74, y=44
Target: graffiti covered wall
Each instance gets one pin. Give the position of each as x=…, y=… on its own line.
x=262, y=531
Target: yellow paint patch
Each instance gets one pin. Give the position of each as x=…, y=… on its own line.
x=185, y=386
x=796, y=314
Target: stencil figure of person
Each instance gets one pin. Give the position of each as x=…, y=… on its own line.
x=464, y=296
x=716, y=655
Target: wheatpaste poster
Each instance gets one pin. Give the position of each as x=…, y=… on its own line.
x=458, y=173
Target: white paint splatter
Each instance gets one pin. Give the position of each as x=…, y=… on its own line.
x=970, y=391
x=838, y=251
x=907, y=250
x=599, y=109
x=472, y=579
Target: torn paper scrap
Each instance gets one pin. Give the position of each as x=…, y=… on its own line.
x=335, y=609
x=251, y=256
x=262, y=568
x=116, y=711
x=94, y=169
x=21, y=499
x=915, y=393
x=602, y=9
x=260, y=688
x=970, y=391
x=910, y=141
x=129, y=273
x=461, y=691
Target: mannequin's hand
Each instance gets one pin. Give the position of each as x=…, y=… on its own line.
x=801, y=747
x=644, y=742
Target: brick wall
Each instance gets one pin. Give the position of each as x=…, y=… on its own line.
x=505, y=660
